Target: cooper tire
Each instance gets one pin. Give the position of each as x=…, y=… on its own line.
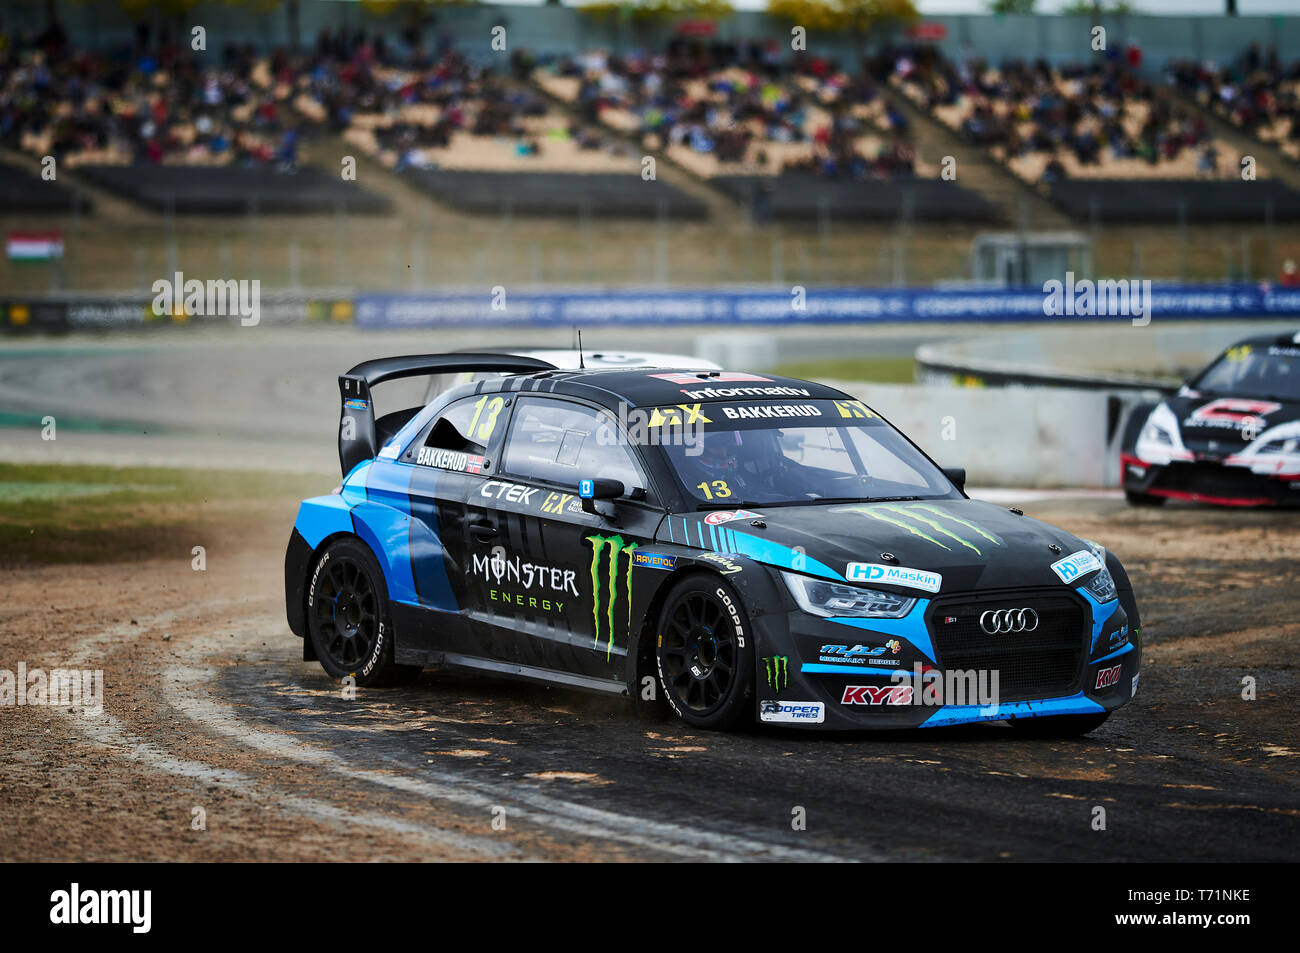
x=348, y=618
x=704, y=654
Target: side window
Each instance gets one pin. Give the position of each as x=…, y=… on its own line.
x=467, y=424
x=560, y=442
x=463, y=429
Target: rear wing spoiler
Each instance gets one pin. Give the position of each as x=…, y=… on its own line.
x=357, y=440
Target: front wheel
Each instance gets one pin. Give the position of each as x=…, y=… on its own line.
x=1059, y=726
x=704, y=654
x=348, y=617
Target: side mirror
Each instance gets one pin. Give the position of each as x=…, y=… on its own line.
x=598, y=489
x=957, y=475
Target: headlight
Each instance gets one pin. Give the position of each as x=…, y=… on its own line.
x=1281, y=445
x=1157, y=434
x=827, y=599
x=1160, y=432
x=1100, y=586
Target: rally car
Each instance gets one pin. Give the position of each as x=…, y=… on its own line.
x=1230, y=437
x=742, y=547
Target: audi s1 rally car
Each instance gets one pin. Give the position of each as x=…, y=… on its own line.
x=744, y=547
x=1230, y=437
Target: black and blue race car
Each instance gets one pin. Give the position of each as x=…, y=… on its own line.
x=743, y=547
x=1230, y=437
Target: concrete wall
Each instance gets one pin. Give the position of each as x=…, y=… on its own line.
x=1004, y=436
x=563, y=29
x=1164, y=349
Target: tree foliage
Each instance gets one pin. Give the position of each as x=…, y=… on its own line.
x=844, y=16
x=658, y=11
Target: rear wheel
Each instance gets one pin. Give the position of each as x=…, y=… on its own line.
x=704, y=654
x=1143, y=499
x=1059, y=726
x=348, y=617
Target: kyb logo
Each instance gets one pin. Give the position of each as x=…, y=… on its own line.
x=1107, y=677
x=1124, y=297
x=877, y=695
x=77, y=906
x=58, y=688
x=182, y=298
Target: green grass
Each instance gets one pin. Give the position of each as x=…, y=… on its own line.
x=883, y=370
x=90, y=514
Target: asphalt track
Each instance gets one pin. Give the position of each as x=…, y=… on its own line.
x=267, y=398
x=211, y=705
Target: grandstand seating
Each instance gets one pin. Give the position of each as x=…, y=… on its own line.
x=597, y=195
x=21, y=191
x=234, y=189
x=1140, y=151
x=1256, y=92
x=1155, y=202
x=804, y=197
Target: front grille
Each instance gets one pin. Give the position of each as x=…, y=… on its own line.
x=1211, y=479
x=1040, y=664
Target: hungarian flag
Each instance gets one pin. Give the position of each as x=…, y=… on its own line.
x=34, y=246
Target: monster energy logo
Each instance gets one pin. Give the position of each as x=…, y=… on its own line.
x=604, y=585
x=930, y=523
x=778, y=671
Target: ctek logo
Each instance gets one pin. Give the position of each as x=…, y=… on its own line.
x=894, y=575
x=76, y=906
x=877, y=695
x=1107, y=677
x=605, y=586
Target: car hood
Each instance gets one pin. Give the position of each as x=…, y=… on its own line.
x=1214, y=426
x=970, y=543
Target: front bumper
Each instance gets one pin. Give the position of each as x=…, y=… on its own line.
x=1204, y=481
x=853, y=674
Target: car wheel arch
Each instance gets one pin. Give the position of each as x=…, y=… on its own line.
x=641, y=645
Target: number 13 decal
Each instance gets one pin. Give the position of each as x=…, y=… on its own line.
x=489, y=421
x=720, y=490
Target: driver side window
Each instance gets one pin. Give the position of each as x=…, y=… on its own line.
x=467, y=424
x=556, y=441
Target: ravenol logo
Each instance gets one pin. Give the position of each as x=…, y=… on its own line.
x=777, y=668
x=896, y=575
x=929, y=523
x=654, y=560
x=605, y=584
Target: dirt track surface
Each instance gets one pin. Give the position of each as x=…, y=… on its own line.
x=207, y=705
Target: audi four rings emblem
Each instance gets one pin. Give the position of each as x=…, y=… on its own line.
x=997, y=621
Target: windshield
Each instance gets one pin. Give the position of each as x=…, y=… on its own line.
x=766, y=453
x=1249, y=371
